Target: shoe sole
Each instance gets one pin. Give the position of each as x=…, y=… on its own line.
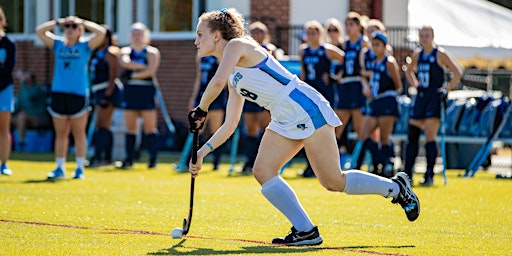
x=316, y=241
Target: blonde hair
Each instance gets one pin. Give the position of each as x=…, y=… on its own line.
x=377, y=24
x=314, y=24
x=144, y=28
x=258, y=25
x=229, y=22
x=428, y=27
x=3, y=19
x=337, y=24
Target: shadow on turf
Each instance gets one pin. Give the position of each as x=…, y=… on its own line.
x=261, y=249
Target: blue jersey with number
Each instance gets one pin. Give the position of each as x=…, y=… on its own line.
x=70, y=73
x=352, y=66
x=369, y=59
x=98, y=67
x=316, y=64
x=381, y=81
x=430, y=74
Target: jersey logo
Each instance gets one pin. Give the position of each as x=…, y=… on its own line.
x=302, y=126
x=236, y=78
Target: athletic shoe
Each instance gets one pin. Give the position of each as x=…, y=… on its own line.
x=296, y=238
x=152, y=164
x=127, y=165
x=406, y=197
x=5, y=170
x=58, y=173
x=79, y=174
x=428, y=181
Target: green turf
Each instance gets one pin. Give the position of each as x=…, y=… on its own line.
x=115, y=212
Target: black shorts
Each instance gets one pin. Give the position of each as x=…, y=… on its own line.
x=138, y=97
x=68, y=105
x=426, y=105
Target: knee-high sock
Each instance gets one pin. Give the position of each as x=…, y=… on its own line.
x=412, y=148
x=109, y=141
x=152, y=145
x=431, y=154
x=364, y=183
x=100, y=142
x=387, y=152
x=252, y=150
x=282, y=196
x=129, y=146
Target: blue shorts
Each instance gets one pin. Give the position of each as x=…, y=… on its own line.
x=350, y=96
x=251, y=107
x=385, y=106
x=7, y=99
x=426, y=105
x=115, y=99
x=138, y=97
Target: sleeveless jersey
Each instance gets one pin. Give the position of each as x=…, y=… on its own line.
x=316, y=64
x=369, y=59
x=352, y=66
x=261, y=83
x=430, y=74
x=381, y=81
x=7, y=60
x=208, y=67
x=98, y=67
x=139, y=57
x=71, y=68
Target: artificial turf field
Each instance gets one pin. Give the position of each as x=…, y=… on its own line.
x=116, y=212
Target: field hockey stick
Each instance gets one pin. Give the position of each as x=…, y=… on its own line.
x=163, y=107
x=187, y=221
x=355, y=154
x=234, y=150
x=488, y=145
x=182, y=164
x=443, y=142
x=90, y=131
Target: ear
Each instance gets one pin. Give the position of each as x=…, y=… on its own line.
x=217, y=36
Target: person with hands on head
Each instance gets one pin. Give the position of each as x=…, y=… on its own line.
x=301, y=117
x=429, y=61
x=69, y=105
x=140, y=62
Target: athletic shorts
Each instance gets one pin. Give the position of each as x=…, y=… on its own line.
x=68, y=105
x=7, y=99
x=350, y=95
x=426, y=105
x=299, y=110
x=139, y=97
x=385, y=106
x=99, y=93
x=251, y=107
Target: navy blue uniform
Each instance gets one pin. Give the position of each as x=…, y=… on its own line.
x=431, y=78
x=7, y=60
x=317, y=65
x=100, y=73
x=384, y=101
x=209, y=65
x=139, y=94
x=351, y=90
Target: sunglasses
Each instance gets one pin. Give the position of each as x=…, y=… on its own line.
x=73, y=26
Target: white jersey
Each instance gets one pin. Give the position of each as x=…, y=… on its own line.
x=295, y=107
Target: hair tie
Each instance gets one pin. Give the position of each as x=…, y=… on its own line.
x=224, y=10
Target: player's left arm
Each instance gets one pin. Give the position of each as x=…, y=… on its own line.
x=392, y=66
x=233, y=52
x=98, y=33
x=153, y=64
x=447, y=61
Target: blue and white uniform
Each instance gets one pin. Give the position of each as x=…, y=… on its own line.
x=70, y=83
x=7, y=61
x=295, y=107
x=384, y=101
x=430, y=77
x=139, y=94
x=318, y=66
x=351, y=90
x=100, y=74
x=209, y=65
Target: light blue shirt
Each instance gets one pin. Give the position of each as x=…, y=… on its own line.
x=70, y=73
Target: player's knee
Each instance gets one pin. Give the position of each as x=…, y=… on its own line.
x=332, y=184
x=413, y=134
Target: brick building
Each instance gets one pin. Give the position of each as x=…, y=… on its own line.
x=172, y=23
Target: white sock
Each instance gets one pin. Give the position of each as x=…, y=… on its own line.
x=80, y=162
x=282, y=196
x=60, y=162
x=363, y=183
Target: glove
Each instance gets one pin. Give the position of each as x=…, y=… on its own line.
x=105, y=101
x=197, y=114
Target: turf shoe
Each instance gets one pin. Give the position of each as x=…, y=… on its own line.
x=79, y=174
x=4, y=170
x=58, y=173
x=406, y=197
x=296, y=238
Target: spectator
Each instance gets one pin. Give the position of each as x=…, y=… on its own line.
x=69, y=105
x=30, y=107
x=7, y=60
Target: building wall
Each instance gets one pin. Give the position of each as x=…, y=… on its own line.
x=394, y=13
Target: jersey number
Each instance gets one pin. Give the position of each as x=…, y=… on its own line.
x=311, y=72
x=248, y=94
x=424, y=79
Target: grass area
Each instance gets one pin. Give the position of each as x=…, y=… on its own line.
x=114, y=212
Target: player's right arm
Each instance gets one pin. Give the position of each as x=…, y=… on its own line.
x=44, y=33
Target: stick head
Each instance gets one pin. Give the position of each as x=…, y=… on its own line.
x=186, y=226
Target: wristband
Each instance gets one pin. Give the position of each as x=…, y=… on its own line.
x=209, y=146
